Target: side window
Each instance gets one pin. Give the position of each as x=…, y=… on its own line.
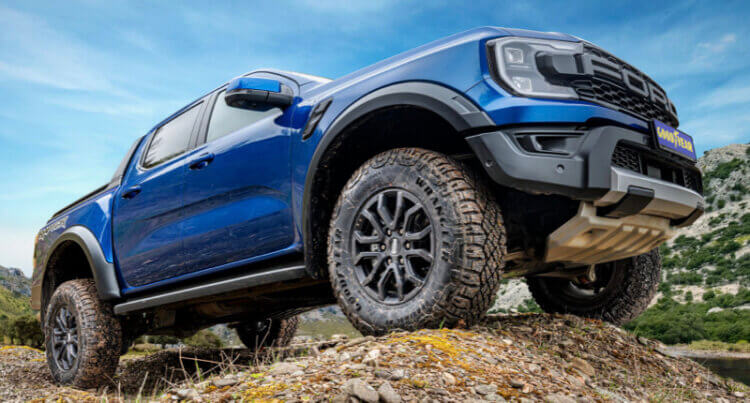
x=225, y=119
x=172, y=138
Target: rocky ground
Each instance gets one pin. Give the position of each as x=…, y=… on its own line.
x=509, y=358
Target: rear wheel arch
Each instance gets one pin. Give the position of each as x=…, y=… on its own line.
x=77, y=254
x=427, y=115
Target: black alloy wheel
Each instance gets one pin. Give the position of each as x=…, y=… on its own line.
x=393, y=246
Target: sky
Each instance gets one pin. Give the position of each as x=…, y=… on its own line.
x=81, y=80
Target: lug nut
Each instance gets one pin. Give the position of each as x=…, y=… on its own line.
x=406, y=245
x=382, y=246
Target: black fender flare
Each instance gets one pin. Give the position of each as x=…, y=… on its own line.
x=454, y=107
x=103, y=271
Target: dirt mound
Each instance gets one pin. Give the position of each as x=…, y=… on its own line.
x=520, y=357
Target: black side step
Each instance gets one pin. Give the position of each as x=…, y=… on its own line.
x=214, y=288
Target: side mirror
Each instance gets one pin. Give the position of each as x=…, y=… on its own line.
x=257, y=93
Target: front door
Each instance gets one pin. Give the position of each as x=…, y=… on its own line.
x=148, y=208
x=238, y=204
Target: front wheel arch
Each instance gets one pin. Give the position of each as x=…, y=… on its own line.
x=443, y=114
x=76, y=253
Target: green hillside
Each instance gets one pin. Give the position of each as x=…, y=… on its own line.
x=13, y=305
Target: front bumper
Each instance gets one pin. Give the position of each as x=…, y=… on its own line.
x=631, y=200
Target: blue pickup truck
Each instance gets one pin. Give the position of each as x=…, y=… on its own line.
x=405, y=192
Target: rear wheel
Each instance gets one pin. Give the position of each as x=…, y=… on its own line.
x=82, y=336
x=267, y=332
x=416, y=240
x=621, y=290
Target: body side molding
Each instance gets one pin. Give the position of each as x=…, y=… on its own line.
x=212, y=288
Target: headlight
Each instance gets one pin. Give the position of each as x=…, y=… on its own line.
x=518, y=60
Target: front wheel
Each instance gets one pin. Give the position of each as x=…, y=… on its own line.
x=416, y=241
x=619, y=293
x=82, y=336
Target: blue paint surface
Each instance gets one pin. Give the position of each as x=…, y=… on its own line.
x=245, y=204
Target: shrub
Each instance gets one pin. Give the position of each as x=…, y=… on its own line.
x=25, y=330
x=204, y=338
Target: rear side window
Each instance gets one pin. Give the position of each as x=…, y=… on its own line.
x=226, y=119
x=171, y=139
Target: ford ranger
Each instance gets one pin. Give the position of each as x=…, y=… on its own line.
x=405, y=192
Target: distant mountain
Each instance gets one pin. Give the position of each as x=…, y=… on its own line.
x=14, y=280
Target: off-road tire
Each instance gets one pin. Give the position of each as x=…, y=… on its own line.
x=98, y=331
x=469, y=244
x=273, y=333
x=630, y=288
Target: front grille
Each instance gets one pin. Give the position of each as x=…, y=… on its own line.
x=601, y=92
x=608, y=81
x=646, y=163
x=627, y=158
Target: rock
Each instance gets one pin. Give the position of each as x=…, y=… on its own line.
x=526, y=388
x=361, y=390
x=516, y=383
x=534, y=368
x=372, y=357
x=738, y=394
x=583, y=366
x=342, y=397
x=283, y=368
x=224, y=382
x=715, y=309
x=298, y=372
x=398, y=374
x=558, y=398
x=508, y=342
x=387, y=394
x=449, y=379
x=344, y=357
x=486, y=389
x=191, y=394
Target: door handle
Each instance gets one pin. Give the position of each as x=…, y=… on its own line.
x=202, y=161
x=131, y=192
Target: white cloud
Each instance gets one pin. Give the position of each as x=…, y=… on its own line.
x=709, y=53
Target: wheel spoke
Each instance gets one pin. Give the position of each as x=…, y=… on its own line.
x=382, y=281
x=410, y=275
x=399, y=284
x=366, y=255
x=399, y=208
x=410, y=212
x=415, y=236
x=367, y=239
x=421, y=253
x=374, y=222
x=385, y=215
x=60, y=319
x=59, y=353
